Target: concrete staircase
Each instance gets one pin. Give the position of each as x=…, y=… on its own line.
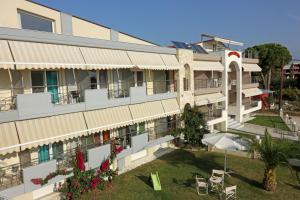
x=232, y=124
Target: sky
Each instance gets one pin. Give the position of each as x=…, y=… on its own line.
x=161, y=21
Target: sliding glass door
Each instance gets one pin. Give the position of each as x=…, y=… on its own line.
x=52, y=85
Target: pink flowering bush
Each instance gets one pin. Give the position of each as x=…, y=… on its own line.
x=84, y=181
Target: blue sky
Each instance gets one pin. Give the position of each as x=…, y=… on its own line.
x=160, y=21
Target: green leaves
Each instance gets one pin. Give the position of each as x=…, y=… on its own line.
x=194, y=125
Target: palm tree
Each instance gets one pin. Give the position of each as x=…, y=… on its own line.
x=270, y=152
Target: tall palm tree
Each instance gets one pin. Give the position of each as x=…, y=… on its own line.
x=270, y=152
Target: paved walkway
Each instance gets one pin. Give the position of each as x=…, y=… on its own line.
x=260, y=130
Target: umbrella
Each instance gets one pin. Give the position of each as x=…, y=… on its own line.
x=225, y=141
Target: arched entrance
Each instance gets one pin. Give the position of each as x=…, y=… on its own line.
x=234, y=89
x=233, y=74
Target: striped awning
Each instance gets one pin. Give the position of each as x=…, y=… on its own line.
x=170, y=61
x=251, y=67
x=252, y=92
x=31, y=55
x=96, y=58
x=8, y=138
x=6, y=60
x=108, y=118
x=153, y=61
x=207, y=66
x=36, y=132
x=171, y=106
x=147, y=111
x=209, y=98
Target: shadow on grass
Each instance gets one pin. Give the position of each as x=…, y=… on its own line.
x=146, y=180
x=186, y=183
x=292, y=185
x=248, y=181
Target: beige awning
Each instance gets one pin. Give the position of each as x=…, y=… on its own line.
x=207, y=66
x=171, y=106
x=252, y=92
x=251, y=67
x=30, y=55
x=40, y=131
x=105, y=58
x=209, y=98
x=6, y=60
x=8, y=138
x=144, y=60
x=170, y=61
x=147, y=111
x=108, y=118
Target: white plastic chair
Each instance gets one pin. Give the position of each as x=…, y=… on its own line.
x=216, y=180
x=201, y=184
x=229, y=192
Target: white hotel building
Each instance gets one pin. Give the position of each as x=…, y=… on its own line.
x=66, y=81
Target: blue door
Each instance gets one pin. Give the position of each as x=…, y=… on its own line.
x=52, y=85
x=43, y=153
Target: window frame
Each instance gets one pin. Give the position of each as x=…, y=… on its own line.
x=19, y=12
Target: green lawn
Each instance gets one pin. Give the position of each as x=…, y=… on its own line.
x=177, y=171
x=269, y=121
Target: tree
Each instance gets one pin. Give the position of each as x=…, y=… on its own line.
x=271, y=154
x=194, y=125
x=271, y=57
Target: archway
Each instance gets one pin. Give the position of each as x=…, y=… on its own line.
x=233, y=84
x=187, y=78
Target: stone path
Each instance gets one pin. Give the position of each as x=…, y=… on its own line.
x=260, y=130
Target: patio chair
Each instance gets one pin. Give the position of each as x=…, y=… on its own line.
x=216, y=180
x=201, y=184
x=229, y=192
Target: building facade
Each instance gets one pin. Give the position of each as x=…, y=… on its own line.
x=66, y=81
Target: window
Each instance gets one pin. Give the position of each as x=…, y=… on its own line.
x=92, y=79
x=45, y=81
x=139, y=78
x=103, y=78
x=34, y=22
x=43, y=153
x=142, y=127
x=37, y=81
x=58, y=150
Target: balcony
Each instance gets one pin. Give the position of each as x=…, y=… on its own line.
x=252, y=106
x=213, y=114
x=205, y=86
x=250, y=82
x=77, y=94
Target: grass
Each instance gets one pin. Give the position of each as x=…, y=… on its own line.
x=177, y=175
x=269, y=121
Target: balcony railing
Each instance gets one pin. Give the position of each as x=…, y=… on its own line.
x=251, y=80
x=163, y=86
x=249, y=105
x=207, y=83
x=213, y=114
x=75, y=93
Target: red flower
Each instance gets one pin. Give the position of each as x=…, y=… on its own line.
x=80, y=160
x=118, y=149
x=37, y=181
x=95, y=181
x=69, y=195
x=105, y=165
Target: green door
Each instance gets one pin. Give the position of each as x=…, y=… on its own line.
x=57, y=149
x=52, y=85
x=43, y=153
